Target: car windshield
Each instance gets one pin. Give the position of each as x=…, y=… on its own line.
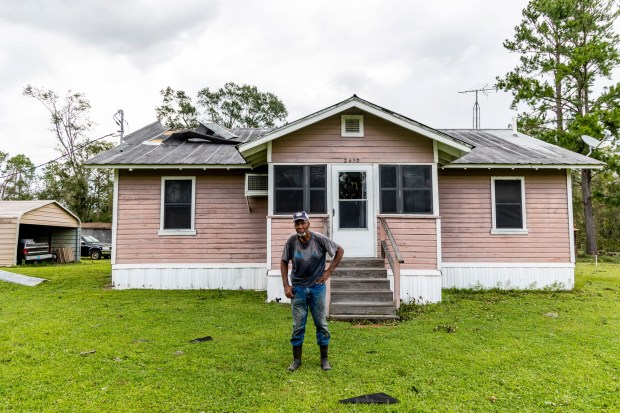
x=89, y=238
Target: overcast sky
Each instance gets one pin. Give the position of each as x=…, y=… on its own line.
x=409, y=56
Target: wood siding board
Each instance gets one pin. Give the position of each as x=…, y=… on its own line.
x=382, y=142
x=226, y=232
x=465, y=208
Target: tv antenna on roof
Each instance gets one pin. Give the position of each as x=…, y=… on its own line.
x=476, y=111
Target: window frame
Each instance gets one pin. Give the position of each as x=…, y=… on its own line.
x=305, y=188
x=399, y=190
x=162, y=209
x=508, y=231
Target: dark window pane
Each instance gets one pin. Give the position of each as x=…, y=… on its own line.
x=416, y=176
x=509, y=216
x=388, y=202
x=508, y=191
x=388, y=177
x=417, y=201
x=178, y=217
x=317, y=176
x=352, y=185
x=289, y=201
x=317, y=202
x=352, y=214
x=178, y=192
x=289, y=176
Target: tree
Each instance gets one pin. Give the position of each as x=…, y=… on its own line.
x=231, y=106
x=177, y=109
x=566, y=48
x=67, y=180
x=18, y=177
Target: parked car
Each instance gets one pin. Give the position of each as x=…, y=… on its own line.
x=29, y=250
x=93, y=248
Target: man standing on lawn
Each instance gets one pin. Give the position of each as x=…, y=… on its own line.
x=307, y=250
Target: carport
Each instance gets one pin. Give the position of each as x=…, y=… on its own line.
x=43, y=221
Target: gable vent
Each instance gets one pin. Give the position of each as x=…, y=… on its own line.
x=352, y=126
x=256, y=184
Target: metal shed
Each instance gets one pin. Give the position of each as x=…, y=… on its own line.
x=43, y=221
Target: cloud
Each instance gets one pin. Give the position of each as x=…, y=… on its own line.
x=126, y=27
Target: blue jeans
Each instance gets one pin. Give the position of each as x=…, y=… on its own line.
x=312, y=298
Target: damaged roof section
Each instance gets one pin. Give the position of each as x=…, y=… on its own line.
x=155, y=145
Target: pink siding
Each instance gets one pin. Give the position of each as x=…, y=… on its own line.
x=466, y=212
x=282, y=228
x=226, y=232
x=416, y=239
x=382, y=142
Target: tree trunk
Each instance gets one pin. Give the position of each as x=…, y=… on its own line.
x=586, y=191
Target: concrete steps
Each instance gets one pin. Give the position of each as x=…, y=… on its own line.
x=360, y=290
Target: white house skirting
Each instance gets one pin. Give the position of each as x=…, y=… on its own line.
x=418, y=286
x=509, y=276
x=421, y=287
x=189, y=277
x=275, y=291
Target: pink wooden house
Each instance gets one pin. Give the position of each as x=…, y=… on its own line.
x=210, y=208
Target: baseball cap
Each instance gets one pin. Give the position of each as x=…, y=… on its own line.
x=300, y=215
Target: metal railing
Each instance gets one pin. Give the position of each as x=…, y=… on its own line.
x=386, y=235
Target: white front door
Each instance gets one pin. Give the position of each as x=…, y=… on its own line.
x=354, y=222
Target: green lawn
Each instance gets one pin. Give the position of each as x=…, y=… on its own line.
x=73, y=344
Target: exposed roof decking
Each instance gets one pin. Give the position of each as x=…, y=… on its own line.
x=155, y=145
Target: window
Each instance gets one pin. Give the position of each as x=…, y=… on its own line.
x=177, y=206
x=352, y=126
x=508, y=197
x=406, y=189
x=300, y=188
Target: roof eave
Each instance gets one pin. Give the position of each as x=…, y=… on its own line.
x=163, y=166
x=522, y=166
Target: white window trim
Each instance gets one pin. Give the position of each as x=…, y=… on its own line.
x=344, y=133
x=508, y=231
x=168, y=232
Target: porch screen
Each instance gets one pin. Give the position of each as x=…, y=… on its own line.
x=300, y=188
x=406, y=189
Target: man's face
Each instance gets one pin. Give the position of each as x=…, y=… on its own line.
x=301, y=227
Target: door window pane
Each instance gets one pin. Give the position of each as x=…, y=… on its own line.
x=352, y=214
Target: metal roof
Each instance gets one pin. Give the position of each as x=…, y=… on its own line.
x=213, y=146
x=495, y=147
x=15, y=209
x=207, y=145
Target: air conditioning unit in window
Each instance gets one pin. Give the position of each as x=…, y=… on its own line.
x=256, y=184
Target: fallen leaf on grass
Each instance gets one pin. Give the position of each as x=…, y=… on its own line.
x=551, y=315
x=85, y=353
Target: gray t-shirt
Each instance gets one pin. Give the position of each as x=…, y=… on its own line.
x=308, y=259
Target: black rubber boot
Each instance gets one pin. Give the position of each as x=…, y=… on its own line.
x=296, y=358
x=324, y=361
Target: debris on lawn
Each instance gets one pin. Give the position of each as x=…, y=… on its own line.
x=201, y=339
x=551, y=315
x=85, y=353
x=445, y=328
x=379, y=398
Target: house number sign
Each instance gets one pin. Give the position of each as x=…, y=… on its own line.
x=351, y=160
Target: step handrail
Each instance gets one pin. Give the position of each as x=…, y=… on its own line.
x=386, y=233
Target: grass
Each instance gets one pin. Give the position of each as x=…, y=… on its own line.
x=73, y=344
